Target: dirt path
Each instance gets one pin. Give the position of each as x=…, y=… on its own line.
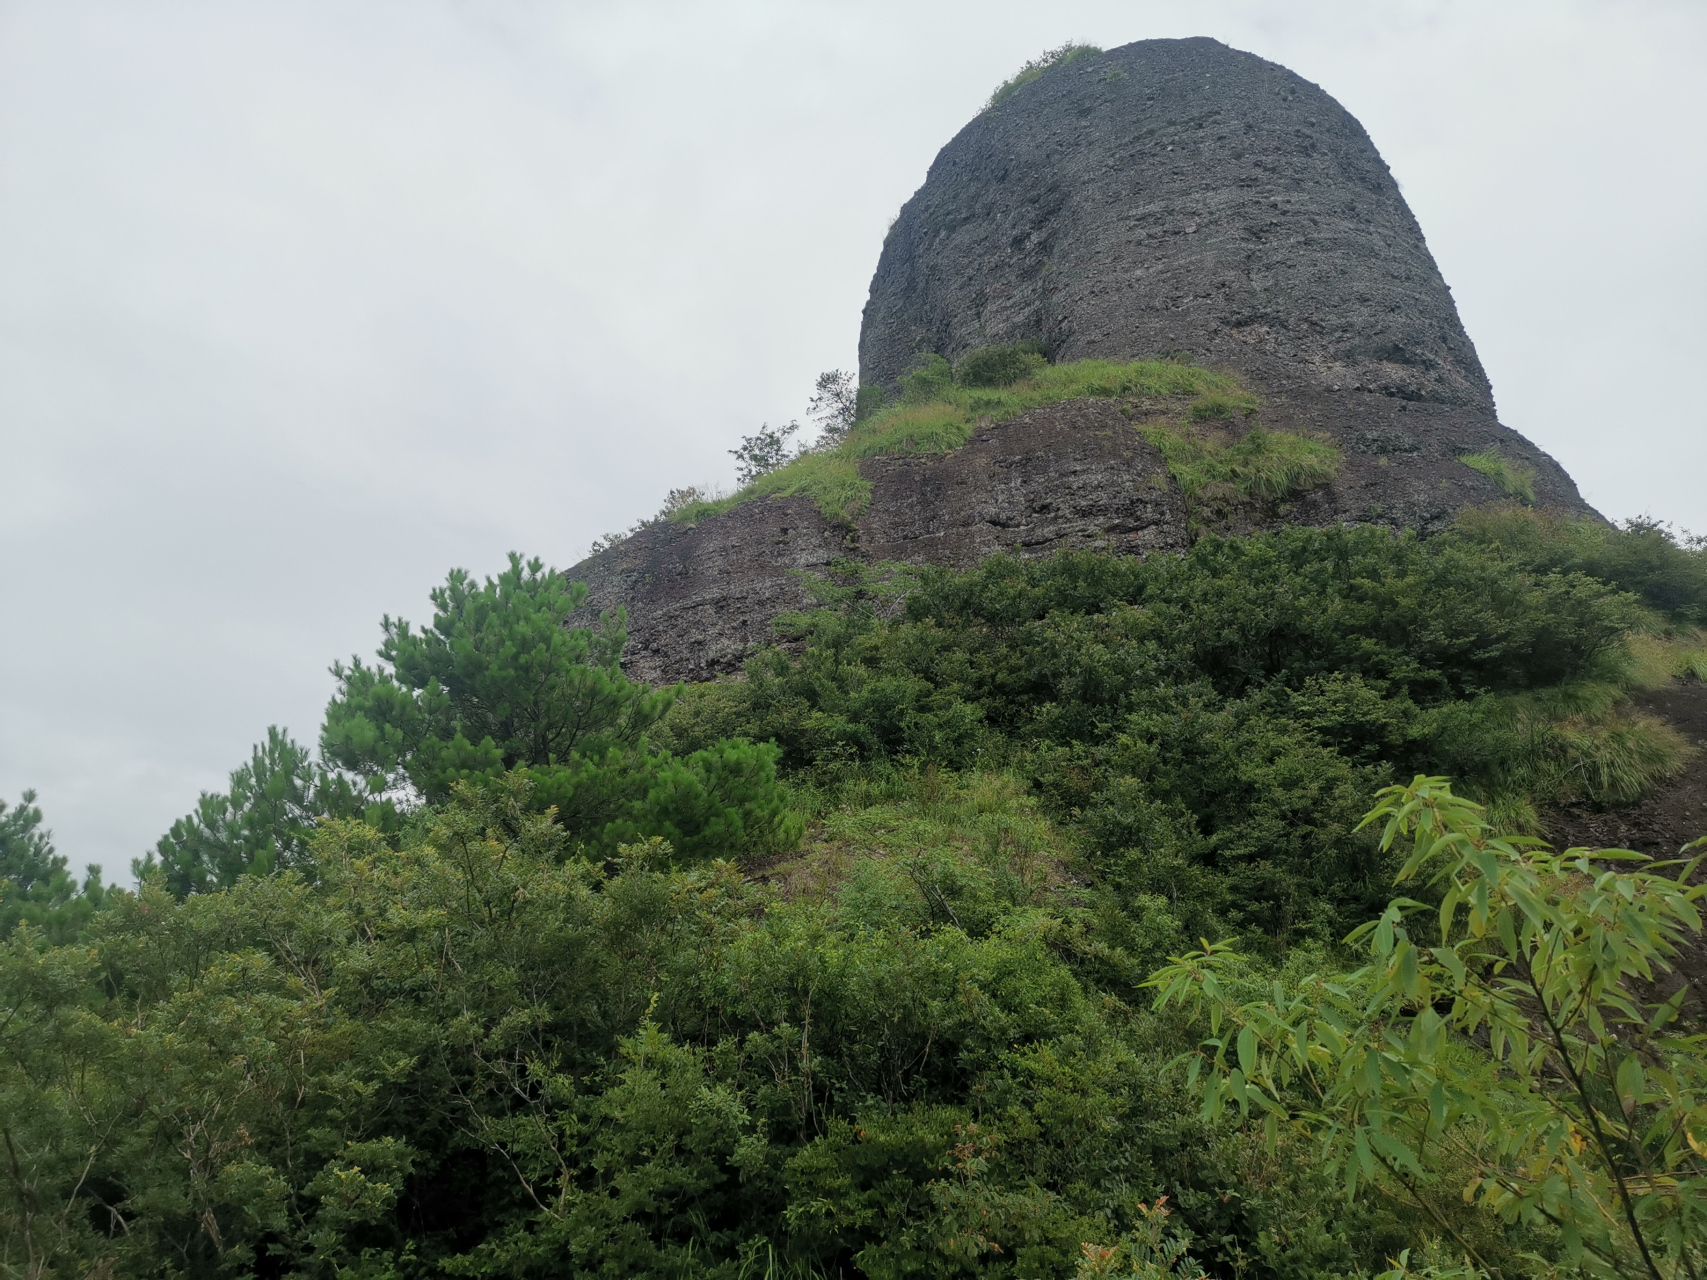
x=1660, y=824
x=1672, y=815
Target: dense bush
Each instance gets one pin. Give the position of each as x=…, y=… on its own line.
x=1218, y=718
x=1643, y=556
x=474, y=994
x=467, y=1050
x=999, y=366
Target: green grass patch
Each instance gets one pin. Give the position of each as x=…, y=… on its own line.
x=1515, y=478
x=912, y=428
x=1214, y=405
x=831, y=479
x=937, y=414
x=1264, y=466
x=1659, y=656
x=1034, y=69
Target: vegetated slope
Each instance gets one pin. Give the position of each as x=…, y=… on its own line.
x=535, y=1021
x=1168, y=704
x=1171, y=203
x=1137, y=457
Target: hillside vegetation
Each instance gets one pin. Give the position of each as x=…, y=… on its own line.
x=1022, y=921
x=940, y=406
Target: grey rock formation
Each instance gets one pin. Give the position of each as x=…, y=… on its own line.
x=1173, y=195
x=701, y=596
x=1167, y=196
x=1182, y=196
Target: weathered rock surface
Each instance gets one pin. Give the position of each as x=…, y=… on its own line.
x=1170, y=196
x=701, y=596
x=1181, y=196
x=1173, y=195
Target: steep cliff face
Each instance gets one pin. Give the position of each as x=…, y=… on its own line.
x=1167, y=197
x=1174, y=195
x=1181, y=196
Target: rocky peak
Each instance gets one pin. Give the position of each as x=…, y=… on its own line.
x=1172, y=198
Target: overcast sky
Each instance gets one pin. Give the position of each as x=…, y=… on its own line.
x=302, y=303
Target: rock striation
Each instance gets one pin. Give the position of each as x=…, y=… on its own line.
x=1167, y=197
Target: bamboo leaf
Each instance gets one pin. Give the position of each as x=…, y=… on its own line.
x=1630, y=1083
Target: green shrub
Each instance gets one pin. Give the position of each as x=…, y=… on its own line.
x=1514, y=477
x=1034, y=69
x=999, y=366
x=930, y=378
x=1263, y=466
x=1643, y=556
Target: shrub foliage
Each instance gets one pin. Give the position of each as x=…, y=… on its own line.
x=851, y=967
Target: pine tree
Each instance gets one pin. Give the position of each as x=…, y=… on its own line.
x=35, y=884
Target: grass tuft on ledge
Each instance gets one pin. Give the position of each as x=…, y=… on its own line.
x=1516, y=479
x=1264, y=466
x=1035, y=69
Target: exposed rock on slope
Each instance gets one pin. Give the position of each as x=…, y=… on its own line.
x=1167, y=196
x=701, y=596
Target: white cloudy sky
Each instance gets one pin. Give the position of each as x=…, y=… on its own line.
x=303, y=301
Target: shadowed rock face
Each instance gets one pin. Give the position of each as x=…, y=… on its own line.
x=1168, y=196
x=1181, y=196
x=1173, y=195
